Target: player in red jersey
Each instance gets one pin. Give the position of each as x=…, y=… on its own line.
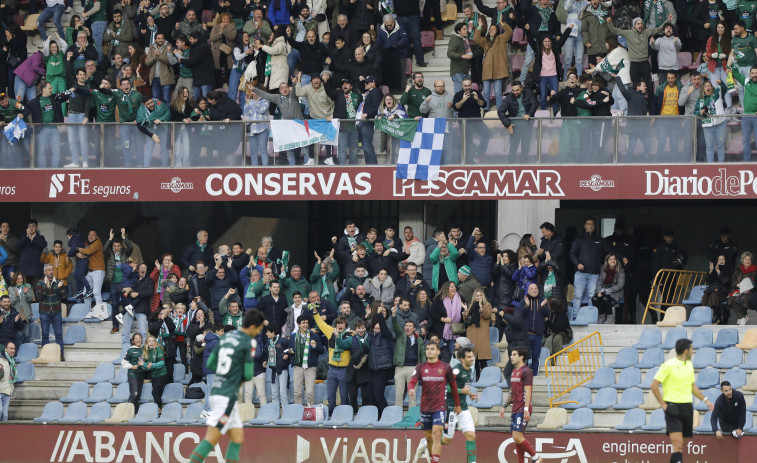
x=521, y=387
x=434, y=375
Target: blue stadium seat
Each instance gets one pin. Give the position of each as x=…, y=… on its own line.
x=648, y=378
x=172, y=393
x=652, y=357
x=321, y=393
x=631, y=398
x=488, y=398
x=121, y=377
x=146, y=414
x=26, y=352
x=192, y=415
x=104, y=372
x=35, y=333
x=391, y=416
x=495, y=356
x=76, y=393
x=179, y=373
x=726, y=338
x=75, y=413
x=74, y=334
x=582, y=395
x=656, y=421
x=627, y=357
x=171, y=413
x=605, y=398
x=701, y=337
x=342, y=415
x=704, y=357
x=490, y=376
x=731, y=357
x=712, y=394
x=735, y=376
x=53, y=411
x=35, y=311
x=749, y=423
x=588, y=315
x=751, y=361
x=25, y=372
x=468, y=400
x=753, y=407
x=366, y=416
x=389, y=393
x=580, y=419
x=493, y=335
x=673, y=335
x=146, y=394
x=291, y=415
x=634, y=419
x=603, y=377
x=77, y=313
x=267, y=414
x=704, y=423
x=202, y=387
x=695, y=296
x=707, y=378
x=650, y=337
x=99, y=413
x=699, y=316
x=629, y=377
x=100, y=393
x=121, y=395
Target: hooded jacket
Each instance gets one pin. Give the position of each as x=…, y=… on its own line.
x=383, y=292
x=225, y=108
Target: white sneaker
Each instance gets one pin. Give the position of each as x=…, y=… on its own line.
x=422, y=447
x=120, y=318
x=129, y=309
x=85, y=165
x=742, y=321
x=310, y=162
x=329, y=162
x=73, y=165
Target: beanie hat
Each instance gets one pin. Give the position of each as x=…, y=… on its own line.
x=464, y=342
x=464, y=270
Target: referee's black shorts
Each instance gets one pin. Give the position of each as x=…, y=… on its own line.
x=680, y=418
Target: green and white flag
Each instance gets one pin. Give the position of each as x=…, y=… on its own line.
x=404, y=129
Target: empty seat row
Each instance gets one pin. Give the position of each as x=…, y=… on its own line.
x=631, y=377
x=103, y=392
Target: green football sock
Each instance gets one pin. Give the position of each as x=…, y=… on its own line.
x=470, y=450
x=232, y=452
x=201, y=451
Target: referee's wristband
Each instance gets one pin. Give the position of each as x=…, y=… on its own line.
x=706, y=399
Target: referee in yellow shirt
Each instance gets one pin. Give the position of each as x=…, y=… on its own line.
x=677, y=379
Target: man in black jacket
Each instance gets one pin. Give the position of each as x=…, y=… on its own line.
x=385, y=259
x=521, y=132
x=274, y=305
x=637, y=130
x=587, y=253
x=198, y=251
x=201, y=62
x=599, y=101
x=729, y=412
x=667, y=255
x=347, y=244
x=552, y=247
x=570, y=129
x=372, y=98
x=409, y=285
x=312, y=53
x=359, y=300
x=139, y=299
x=346, y=103
x=360, y=69
x=46, y=109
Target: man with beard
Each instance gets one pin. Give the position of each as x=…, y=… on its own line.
x=346, y=103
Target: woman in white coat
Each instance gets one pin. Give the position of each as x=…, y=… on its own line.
x=277, y=52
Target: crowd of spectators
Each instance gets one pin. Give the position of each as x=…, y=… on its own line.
x=361, y=316
x=189, y=60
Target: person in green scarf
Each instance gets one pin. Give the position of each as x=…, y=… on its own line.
x=340, y=343
x=325, y=273
x=150, y=115
x=279, y=359
x=8, y=379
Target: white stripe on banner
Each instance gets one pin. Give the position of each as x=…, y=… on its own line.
x=420, y=160
x=295, y=133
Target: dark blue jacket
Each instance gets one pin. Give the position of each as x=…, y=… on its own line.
x=396, y=38
x=381, y=355
x=194, y=254
x=534, y=316
x=274, y=311
x=9, y=327
x=524, y=276
x=211, y=340
x=261, y=353
x=314, y=351
x=731, y=413
x=481, y=266
x=217, y=287
x=589, y=251
x=30, y=252
x=244, y=279
x=282, y=348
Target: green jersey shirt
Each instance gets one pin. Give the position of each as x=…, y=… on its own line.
x=746, y=10
x=743, y=50
x=412, y=100
x=11, y=111
x=48, y=113
x=106, y=106
x=462, y=377
x=128, y=104
x=232, y=361
x=185, y=71
x=101, y=14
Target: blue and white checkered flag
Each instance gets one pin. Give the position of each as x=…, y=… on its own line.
x=420, y=159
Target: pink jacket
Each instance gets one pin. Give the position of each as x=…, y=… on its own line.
x=31, y=69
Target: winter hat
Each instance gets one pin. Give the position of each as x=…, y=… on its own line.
x=464, y=342
x=637, y=19
x=464, y=270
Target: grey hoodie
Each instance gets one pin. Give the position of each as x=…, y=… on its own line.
x=438, y=106
x=668, y=48
x=638, y=42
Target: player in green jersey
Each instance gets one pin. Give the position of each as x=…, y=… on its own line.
x=232, y=360
x=463, y=420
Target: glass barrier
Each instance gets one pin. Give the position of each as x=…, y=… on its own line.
x=545, y=141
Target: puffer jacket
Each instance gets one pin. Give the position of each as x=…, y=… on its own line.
x=381, y=355
x=524, y=276
x=383, y=292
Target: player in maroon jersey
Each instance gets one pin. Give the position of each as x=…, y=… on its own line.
x=434, y=375
x=521, y=387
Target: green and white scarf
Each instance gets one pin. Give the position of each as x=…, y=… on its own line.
x=337, y=355
x=599, y=13
x=606, y=66
x=267, y=72
x=549, y=284
x=545, y=13
x=659, y=11
x=302, y=351
x=12, y=363
x=201, y=246
x=272, y=352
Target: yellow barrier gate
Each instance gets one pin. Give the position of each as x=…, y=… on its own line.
x=670, y=288
x=573, y=366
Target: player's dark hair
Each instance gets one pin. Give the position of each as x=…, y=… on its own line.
x=682, y=345
x=463, y=351
x=296, y=293
x=217, y=327
x=433, y=343
x=253, y=318
x=359, y=324
x=302, y=317
x=273, y=328
x=522, y=352
x=724, y=384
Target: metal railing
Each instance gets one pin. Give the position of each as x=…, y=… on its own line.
x=538, y=141
x=572, y=367
x=670, y=288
